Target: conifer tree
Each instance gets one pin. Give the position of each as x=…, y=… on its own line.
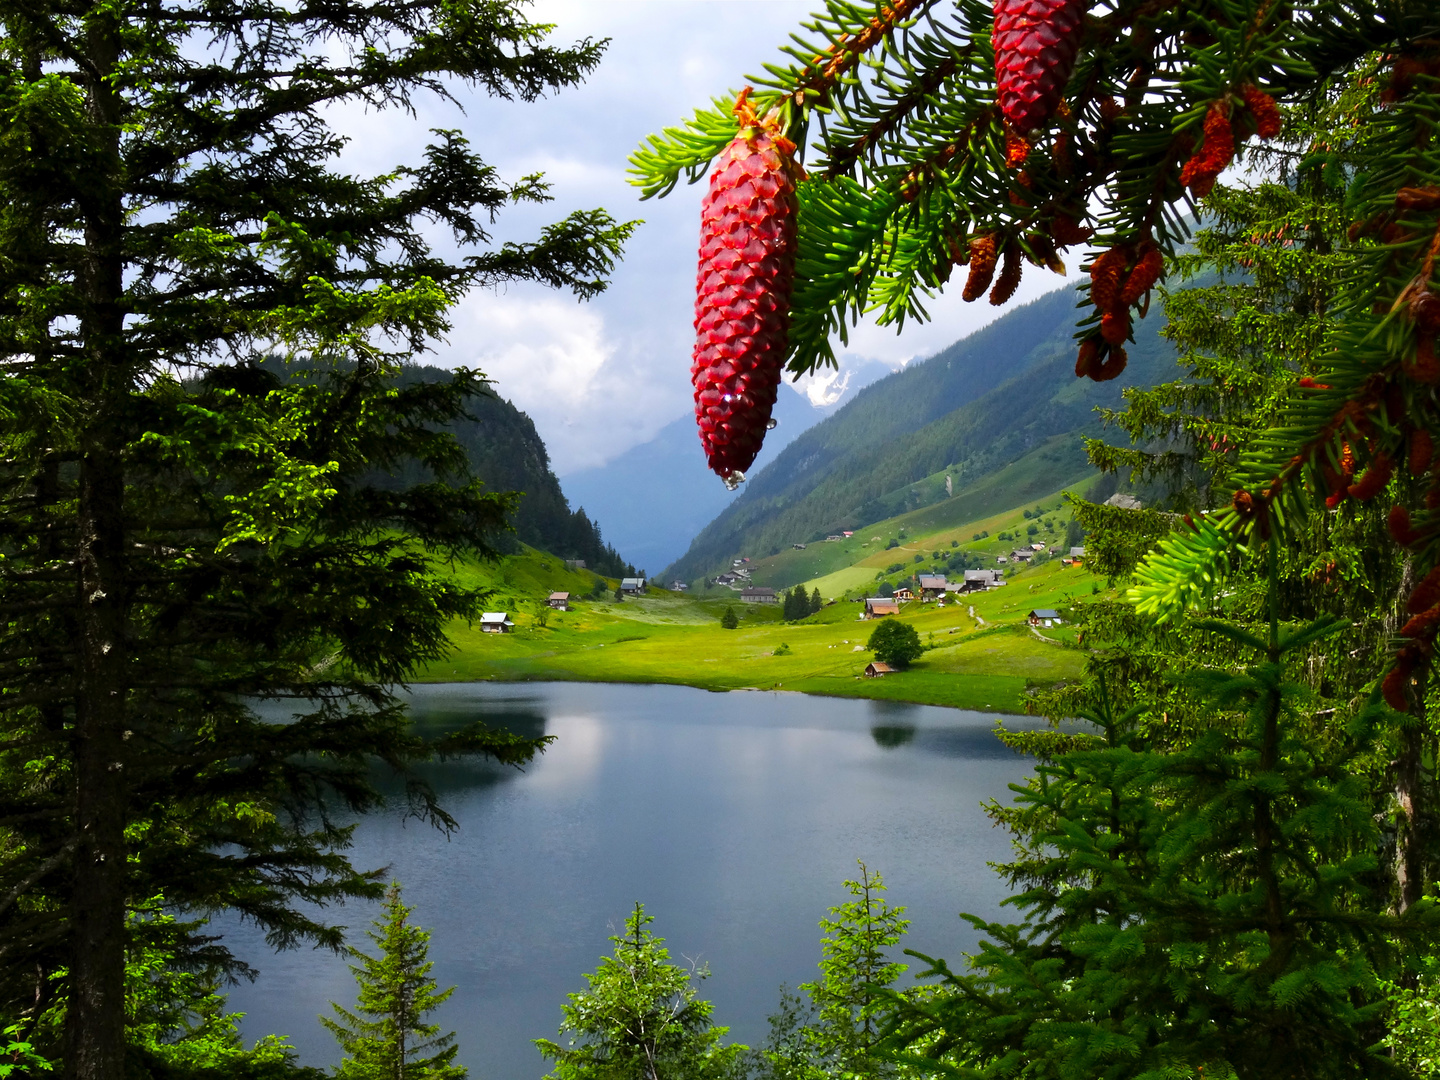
x=185, y=534
x=815, y=602
x=640, y=1018
x=386, y=1036
x=729, y=620
x=831, y=1027
x=855, y=964
x=1195, y=903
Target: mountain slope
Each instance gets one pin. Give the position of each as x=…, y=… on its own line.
x=507, y=453
x=654, y=498
x=970, y=410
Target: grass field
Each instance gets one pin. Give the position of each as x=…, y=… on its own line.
x=982, y=661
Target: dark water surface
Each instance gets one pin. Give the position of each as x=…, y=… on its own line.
x=733, y=817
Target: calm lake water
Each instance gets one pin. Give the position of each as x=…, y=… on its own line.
x=734, y=818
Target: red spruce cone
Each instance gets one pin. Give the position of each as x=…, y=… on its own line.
x=1426, y=594
x=1374, y=480
x=742, y=299
x=1111, y=366
x=1393, y=688
x=1216, y=152
x=1035, y=45
x=1115, y=326
x=1398, y=522
x=1422, y=453
x=1142, y=279
x=1263, y=108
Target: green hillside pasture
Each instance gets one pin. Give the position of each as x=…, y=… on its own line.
x=1017, y=486
x=676, y=639
x=863, y=573
x=989, y=504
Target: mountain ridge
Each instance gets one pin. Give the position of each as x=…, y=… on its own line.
x=974, y=407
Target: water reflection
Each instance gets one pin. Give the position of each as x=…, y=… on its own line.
x=890, y=736
x=733, y=817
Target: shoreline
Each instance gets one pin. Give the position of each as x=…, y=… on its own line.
x=913, y=695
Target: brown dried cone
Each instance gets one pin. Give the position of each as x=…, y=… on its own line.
x=1374, y=481
x=742, y=301
x=1009, y=279
x=1423, y=366
x=982, y=267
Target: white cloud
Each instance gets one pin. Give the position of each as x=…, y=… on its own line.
x=549, y=348
x=599, y=377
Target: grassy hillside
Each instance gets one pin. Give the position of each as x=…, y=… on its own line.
x=980, y=655
x=985, y=660
x=1000, y=397
x=988, y=506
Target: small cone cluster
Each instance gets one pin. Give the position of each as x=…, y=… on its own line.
x=1217, y=147
x=742, y=299
x=1035, y=43
x=1119, y=278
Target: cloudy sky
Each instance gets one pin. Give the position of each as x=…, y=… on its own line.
x=602, y=376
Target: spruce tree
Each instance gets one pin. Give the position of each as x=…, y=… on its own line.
x=1196, y=902
x=729, y=621
x=640, y=1018
x=186, y=536
x=815, y=602
x=386, y=1036
x=855, y=965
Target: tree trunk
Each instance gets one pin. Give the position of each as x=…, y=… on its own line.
x=95, y=1020
x=1410, y=837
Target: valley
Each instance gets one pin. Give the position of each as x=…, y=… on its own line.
x=981, y=653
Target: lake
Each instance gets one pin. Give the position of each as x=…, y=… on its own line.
x=734, y=818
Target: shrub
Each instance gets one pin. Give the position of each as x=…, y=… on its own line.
x=956, y=543
x=892, y=544
x=919, y=558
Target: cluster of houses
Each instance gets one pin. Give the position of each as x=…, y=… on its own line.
x=499, y=622
x=933, y=587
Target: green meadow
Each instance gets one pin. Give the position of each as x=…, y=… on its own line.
x=981, y=653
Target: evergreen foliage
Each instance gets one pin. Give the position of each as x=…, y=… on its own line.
x=386, y=1036
x=506, y=452
x=185, y=534
x=730, y=620
x=797, y=604
x=1202, y=902
x=640, y=1017
x=895, y=642
x=832, y=1026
